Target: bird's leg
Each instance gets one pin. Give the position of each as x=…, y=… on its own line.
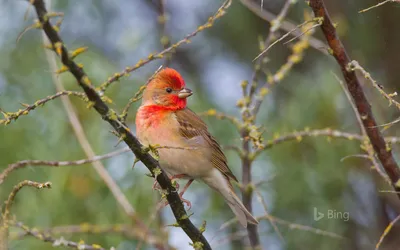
x=187, y=202
x=183, y=191
x=174, y=177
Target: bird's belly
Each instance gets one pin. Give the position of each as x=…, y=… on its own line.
x=193, y=162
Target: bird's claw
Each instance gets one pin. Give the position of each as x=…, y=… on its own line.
x=187, y=202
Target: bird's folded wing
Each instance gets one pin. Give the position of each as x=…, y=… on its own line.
x=192, y=126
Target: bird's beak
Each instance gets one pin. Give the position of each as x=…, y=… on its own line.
x=185, y=93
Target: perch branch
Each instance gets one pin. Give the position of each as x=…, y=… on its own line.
x=113, y=119
x=82, y=138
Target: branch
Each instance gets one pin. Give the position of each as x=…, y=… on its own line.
x=4, y=220
x=290, y=225
x=126, y=230
x=296, y=57
x=247, y=191
x=286, y=25
x=113, y=119
x=379, y=4
x=220, y=12
x=56, y=242
x=354, y=65
x=15, y=191
x=82, y=138
x=137, y=96
x=386, y=232
x=384, y=154
x=222, y=116
x=22, y=164
x=366, y=144
x=10, y=116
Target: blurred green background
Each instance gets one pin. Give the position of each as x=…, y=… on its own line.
x=300, y=176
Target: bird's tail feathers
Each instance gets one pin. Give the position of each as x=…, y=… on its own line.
x=222, y=184
x=243, y=215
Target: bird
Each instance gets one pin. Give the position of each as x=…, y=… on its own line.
x=186, y=149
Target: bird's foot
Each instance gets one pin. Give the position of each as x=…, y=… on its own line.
x=187, y=202
x=172, y=178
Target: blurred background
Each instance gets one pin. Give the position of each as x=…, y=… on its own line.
x=298, y=177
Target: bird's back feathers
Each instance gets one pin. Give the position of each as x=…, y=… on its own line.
x=191, y=126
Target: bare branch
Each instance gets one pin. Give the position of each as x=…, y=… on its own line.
x=386, y=232
x=379, y=4
x=137, y=96
x=22, y=164
x=317, y=21
x=286, y=25
x=56, y=242
x=4, y=220
x=128, y=231
x=10, y=116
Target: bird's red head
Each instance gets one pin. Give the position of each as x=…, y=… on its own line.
x=166, y=89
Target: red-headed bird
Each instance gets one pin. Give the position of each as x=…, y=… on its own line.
x=187, y=149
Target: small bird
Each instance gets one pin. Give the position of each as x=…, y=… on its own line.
x=185, y=147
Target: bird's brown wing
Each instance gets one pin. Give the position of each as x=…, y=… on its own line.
x=192, y=126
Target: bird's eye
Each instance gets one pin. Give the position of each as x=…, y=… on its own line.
x=169, y=90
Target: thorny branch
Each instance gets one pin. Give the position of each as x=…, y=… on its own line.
x=10, y=116
x=384, y=153
x=113, y=119
x=80, y=134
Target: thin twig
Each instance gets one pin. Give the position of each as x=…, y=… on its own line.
x=290, y=225
x=10, y=116
x=366, y=144
x=56, y=242
x=128, y=231
x=137, y=96
x=386, y=232
x=264, y=204
x=286, y=25
x=379, y=4
x=25, y=163
x=298, y=50
x=318, y=22
x=354, y=65
x=220, y=12
x=4, y=220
